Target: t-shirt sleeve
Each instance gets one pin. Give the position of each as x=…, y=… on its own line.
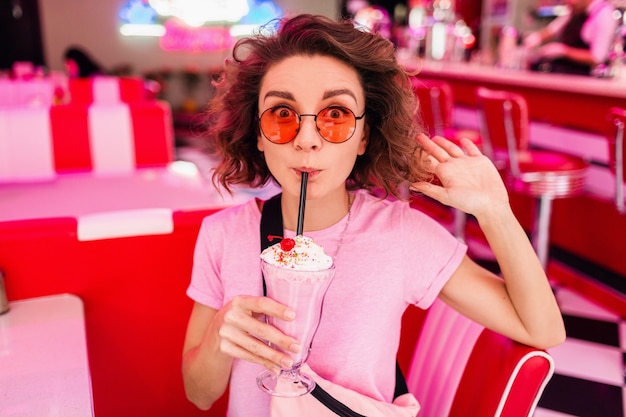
x=206, y=285
x=601, y=34
x=432, y=255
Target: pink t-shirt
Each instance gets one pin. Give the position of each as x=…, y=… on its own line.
x=391, y=256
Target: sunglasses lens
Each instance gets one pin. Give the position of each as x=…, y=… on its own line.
x=336, y=124
x=279, y=125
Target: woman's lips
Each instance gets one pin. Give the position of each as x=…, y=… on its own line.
x=311, y=171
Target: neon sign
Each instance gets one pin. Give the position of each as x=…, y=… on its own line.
x=198, y=12
x=179, y=37
x=195, y=25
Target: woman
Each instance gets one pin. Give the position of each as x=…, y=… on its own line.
x=79, y=64
x=266, y=123
x=576, y=42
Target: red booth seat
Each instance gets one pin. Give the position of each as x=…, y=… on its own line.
x=136, y=310
x=461, y=369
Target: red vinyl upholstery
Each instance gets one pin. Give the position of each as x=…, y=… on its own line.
x=617, y=153
x=153, y=133
x=514, y=377
x=461, y=369
x=70, y=138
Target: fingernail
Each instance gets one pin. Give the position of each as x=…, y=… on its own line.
x=295, y=348
x=287, y=363
x=290, y=314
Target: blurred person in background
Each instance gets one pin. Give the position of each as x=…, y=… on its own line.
x=574, y=43
x=79, y=64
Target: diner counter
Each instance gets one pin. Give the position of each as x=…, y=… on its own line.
x=574, y=101
x=605, y=87
x=43, y=358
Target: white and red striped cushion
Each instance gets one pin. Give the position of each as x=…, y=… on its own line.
x=106, y=89
x=461, y=369
x=444, y=346
x=125, y=223
x=107, y=136
x=25, y=145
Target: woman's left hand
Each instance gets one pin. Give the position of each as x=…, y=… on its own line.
x=469, y=180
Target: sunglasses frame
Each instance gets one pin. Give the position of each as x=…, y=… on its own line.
x=315, y=116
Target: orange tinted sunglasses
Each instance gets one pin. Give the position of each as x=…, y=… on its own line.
x=281, y=124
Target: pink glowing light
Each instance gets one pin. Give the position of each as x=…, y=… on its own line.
x=183, y=38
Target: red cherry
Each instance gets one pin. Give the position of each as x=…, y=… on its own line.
x=287, y=244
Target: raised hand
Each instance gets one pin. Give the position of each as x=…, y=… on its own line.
x=469, y=180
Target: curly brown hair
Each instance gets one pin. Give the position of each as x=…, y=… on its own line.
x=390, y=104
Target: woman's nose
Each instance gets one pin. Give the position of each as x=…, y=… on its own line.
x=308, y=138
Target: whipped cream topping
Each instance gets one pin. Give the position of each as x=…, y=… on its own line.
x=306, y=255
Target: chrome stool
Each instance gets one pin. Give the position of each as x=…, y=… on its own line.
x=617, y=154
x=544, y=175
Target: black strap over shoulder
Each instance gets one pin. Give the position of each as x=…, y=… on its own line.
x=272, y=224
x=401, y=387
x=271, y=220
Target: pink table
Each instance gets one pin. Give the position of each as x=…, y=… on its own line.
x=108, y=206
x=43, y=358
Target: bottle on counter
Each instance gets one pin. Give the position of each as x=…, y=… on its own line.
x=616, y=55
x=4, y=303
x=507, y=48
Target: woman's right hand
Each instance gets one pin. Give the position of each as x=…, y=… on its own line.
x=237, y=330
x=244, y=334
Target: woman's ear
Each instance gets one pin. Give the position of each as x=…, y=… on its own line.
x=364, y=140
x=259, y=142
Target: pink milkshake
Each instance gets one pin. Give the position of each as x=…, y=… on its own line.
x=297, y=273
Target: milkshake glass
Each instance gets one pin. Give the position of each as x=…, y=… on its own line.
x=304, y=291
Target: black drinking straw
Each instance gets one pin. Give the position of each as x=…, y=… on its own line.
x=305, y=179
